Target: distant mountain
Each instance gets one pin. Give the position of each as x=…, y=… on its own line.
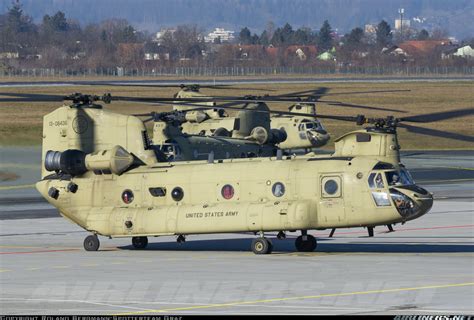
x=455, y=16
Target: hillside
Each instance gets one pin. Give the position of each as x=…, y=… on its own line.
x=455, y=16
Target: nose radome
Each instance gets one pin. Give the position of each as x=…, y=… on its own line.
x=425, y=202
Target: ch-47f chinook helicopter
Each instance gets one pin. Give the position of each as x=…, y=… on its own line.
x=303, y=131
x=98, y=171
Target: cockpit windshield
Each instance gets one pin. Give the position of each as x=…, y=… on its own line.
x=309, y=125
x=399, y=178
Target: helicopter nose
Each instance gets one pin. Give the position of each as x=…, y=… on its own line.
x=411, y=204
x=318, y=137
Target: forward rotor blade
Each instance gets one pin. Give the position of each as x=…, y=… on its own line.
x=437, y=133
x=30, y=97
x=438, y=116
x=215, y=106
x=158, y=85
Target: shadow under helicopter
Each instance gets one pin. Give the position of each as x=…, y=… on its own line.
x=324, y=246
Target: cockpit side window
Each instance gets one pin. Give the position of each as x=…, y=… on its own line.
x=399, y=178
x=376, y=181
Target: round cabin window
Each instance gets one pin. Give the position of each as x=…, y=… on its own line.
x=127, y=196
x=331, y=187
x=278, y=189
x=227, y=192
x=177, y=194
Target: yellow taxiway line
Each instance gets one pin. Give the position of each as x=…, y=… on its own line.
x=238, y=303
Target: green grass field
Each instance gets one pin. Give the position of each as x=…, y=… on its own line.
x=21, y=123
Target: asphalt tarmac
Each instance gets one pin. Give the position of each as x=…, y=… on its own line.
x=425, y=267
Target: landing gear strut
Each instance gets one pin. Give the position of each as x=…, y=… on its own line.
x=305, y=242
x=181, y=239
x=140, y=242
x=281, y=235
x=91, y=243
x=370, y=230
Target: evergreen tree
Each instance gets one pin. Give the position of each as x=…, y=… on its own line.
x=16, y=20
x=423, y=35
x=354, y=39
x=56, y=23
x=383, y=34
x=287, y=34
x=302, y=36
x=254, y=39
x=325, y=39
x=245, y=37
x=263, y=39
x=277, y=38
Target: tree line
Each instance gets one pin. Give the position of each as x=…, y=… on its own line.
x=59, y=42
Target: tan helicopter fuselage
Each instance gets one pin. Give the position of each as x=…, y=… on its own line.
x=147, y=198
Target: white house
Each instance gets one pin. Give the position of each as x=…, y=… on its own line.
x=465, y=52
x=224, y=35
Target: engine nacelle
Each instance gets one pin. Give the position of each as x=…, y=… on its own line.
x=76, y=162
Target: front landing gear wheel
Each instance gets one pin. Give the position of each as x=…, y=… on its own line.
x=305, y=246
x=91, y=243
x=262, y=246
x=140, y=242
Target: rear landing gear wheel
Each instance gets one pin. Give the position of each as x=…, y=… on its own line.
x=91, y=243
x=140, y=242
x=306, y=246
x=262, y=246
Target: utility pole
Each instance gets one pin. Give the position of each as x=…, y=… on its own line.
x=401, y=11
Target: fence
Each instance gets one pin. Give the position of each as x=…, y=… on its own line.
x=237, y=71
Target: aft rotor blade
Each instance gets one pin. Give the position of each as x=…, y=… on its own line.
x=364, y=92
x=358, y=106
x=248, y=99
x=321, y=91
x=438, y=116
x=437, y=133
x=206, y=99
